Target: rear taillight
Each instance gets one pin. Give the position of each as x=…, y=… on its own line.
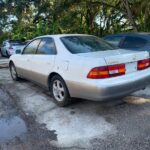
x=107, y=71
x=117, y=70
x=143, y=64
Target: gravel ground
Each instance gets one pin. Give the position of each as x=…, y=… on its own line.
x=122, y=124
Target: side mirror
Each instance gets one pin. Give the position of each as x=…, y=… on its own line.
x=18, y=51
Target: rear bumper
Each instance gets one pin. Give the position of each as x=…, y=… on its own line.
x=103, y=89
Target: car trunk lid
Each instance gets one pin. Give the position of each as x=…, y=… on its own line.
x=129, y=58
x=125, y=56
x=120, y=56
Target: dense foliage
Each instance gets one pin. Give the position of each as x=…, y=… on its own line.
x=29, y=18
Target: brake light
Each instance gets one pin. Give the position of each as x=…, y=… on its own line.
x=107, y=71
x=117, y=70
x=143, y=64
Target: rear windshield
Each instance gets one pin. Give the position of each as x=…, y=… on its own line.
x=133, y=42
x=85, y=44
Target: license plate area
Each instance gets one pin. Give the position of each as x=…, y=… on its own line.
x=131, y=67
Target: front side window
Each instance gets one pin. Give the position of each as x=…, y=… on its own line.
x=32, y=47
x=47, y=47
x=85, y=44
x=133, y=42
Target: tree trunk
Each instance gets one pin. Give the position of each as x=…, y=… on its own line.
x=90, y=16
x=130, y=16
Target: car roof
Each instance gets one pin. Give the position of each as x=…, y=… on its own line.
x=145, y=35
x=62, y=35
x=13, y=41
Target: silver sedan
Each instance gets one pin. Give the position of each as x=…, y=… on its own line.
x=81, y=66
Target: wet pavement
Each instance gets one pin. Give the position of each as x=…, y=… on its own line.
x=3, y=62
x=19, y=131
x=37, y=123
x=11, y=127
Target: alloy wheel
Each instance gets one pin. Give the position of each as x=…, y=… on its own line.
x=13, y=72
x=58, y=90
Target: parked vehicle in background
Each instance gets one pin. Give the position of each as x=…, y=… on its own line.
x=0, y=50
x=10, y=47
x=131, y=41
x=81, y=66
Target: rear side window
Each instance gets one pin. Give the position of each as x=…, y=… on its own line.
x=47, y=47
x=32, y=47
x=115, y=40
x=85, y=44
x=133, y=42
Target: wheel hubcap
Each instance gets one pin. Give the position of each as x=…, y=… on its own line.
x=58, y=90
x=13, y=72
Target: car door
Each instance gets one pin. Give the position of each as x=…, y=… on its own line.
x=43, y=61
x=24, y=61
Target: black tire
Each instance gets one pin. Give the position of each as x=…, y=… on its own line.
x=1, y=55
x=65, y=97
x=13, y=72
x=7, y=54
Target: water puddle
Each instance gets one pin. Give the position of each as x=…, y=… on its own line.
x=11, y=127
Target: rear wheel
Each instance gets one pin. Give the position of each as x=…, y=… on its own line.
x=13, y=72
x=59, y=91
